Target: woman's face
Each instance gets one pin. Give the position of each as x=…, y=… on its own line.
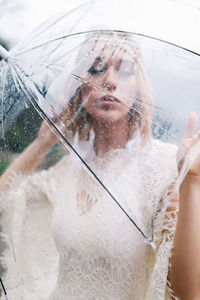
x=110, y=84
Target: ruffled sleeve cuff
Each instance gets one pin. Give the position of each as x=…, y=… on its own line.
x=164, y=231
x=15, y=185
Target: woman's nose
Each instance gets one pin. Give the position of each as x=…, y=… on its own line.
x=110, y=80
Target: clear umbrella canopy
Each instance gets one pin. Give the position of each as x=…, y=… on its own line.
x=119, y=102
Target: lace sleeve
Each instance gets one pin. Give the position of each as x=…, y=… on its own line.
x=26, y=209
x=14, y=185
x=164, y=224
x=38, y=186
x=164, y=231
x=32, y=188
x=25, y=188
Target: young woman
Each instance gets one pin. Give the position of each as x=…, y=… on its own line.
x=96, y=252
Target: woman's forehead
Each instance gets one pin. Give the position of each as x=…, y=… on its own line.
x=110, y=49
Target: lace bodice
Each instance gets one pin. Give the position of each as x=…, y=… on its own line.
x=101, y=254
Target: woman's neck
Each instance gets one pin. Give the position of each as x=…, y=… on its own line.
x=110, y=136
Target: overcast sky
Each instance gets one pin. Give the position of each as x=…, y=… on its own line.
x=19, y=17
x=179, y=20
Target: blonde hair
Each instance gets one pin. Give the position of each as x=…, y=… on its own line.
x=141, y=112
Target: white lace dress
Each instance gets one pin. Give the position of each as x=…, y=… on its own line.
x=68, y=240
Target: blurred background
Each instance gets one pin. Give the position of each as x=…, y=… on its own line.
x=18, y=18
x=177, y=21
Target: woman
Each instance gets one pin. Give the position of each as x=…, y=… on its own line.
x=99, y=254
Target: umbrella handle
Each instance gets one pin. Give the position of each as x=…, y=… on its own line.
x=150, y=243
x=4, y=53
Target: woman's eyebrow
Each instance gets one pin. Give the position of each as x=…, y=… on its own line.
x=126, y=62
x=99, y=58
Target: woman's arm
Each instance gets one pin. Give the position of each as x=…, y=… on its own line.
x=185, y=263
x=32, y=156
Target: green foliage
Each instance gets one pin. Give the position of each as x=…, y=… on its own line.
x=22, y=132
x=19, y=136
x=4, y=163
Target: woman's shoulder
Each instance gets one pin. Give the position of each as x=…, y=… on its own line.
x=163, y=146
x=164, y=156
x=163, y=150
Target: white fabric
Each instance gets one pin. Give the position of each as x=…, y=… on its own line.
x=69, y=240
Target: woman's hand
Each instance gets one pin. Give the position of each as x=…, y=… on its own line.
x=48, y=135
x=188, y=155
x=185, y=262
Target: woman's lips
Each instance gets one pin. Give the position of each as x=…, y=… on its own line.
x=108, y=101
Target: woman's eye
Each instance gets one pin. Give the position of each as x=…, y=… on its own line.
x=95, y=71
x=98, y=67
x=125, y=68
x=126, y=73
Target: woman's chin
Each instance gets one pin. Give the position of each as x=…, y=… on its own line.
x=109, y=116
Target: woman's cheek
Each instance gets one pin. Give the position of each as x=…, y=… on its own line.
x=88, y=99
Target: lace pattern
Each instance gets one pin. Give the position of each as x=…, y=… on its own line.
x=98, y=253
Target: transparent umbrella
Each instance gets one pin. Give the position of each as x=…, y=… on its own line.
x=111, y=107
